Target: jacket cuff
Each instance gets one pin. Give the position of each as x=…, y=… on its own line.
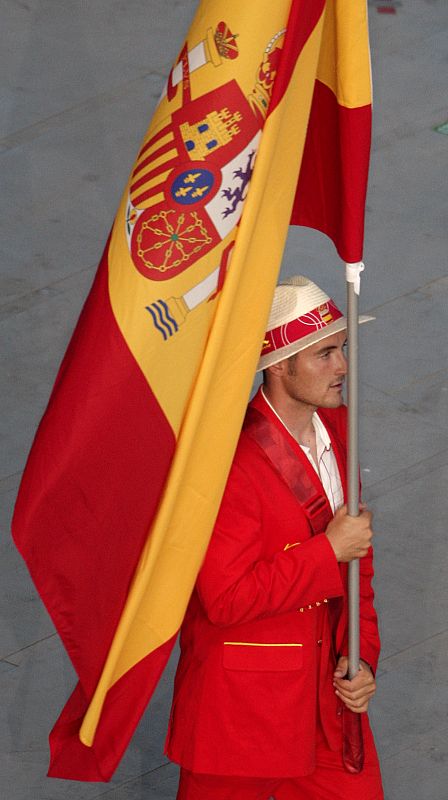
x=370, y=656
x=366, y=653
x=327, y=572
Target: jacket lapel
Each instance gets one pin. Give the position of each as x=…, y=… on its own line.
x=290, y=462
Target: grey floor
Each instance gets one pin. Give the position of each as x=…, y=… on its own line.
x=82, y=79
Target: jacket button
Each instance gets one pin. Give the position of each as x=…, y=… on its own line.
x=319, y=642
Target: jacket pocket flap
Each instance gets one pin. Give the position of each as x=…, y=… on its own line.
x=262, y=657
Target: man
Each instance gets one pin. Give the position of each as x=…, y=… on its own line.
x=261, y=689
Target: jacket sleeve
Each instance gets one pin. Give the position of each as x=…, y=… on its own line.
x=236, y=584
x=369, y=645
x=369, y=640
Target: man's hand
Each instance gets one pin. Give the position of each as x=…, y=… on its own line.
x=356, y=693
x=350, y=537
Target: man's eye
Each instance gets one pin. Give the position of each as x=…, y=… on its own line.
x=326, y=354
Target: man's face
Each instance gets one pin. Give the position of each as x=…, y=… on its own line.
x=315, y=376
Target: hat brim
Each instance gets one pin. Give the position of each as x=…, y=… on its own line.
x=301, y=344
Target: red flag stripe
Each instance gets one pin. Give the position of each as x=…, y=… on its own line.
x=126, y=702
x=303, y=18
x=98, y=411
x=333, y=178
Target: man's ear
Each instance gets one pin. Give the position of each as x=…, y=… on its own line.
x=278, y=369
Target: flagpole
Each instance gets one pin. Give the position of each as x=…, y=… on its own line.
x=353, y=272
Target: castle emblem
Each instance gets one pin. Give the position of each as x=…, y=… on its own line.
x=216, y=130
x=189, y=183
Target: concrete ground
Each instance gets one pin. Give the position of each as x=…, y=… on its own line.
x=81, y=82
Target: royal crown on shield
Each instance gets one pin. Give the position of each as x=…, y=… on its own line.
x=193, y=173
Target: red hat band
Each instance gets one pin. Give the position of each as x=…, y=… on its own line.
x=308, y=323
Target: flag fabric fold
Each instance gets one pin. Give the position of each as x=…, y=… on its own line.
x=332, y=185
x=126, y=473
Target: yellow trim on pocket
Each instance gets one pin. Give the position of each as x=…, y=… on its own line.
x=264, y=644
x=288, y=546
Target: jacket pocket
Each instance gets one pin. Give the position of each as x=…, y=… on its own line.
x=262, y=657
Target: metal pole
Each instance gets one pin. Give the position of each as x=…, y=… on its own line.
x=353, y=285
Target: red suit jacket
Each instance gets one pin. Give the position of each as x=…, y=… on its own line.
x=265, y=622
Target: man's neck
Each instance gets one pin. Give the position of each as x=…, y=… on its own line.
x=295, y=415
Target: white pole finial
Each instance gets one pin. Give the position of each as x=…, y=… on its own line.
x=353, y=274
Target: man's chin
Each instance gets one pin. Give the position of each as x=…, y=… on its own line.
x=333, y=402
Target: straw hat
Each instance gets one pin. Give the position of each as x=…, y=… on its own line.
x=301, y=315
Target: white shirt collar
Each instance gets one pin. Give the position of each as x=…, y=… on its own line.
x=323, y=441
x=321, y=431
x=326, y=467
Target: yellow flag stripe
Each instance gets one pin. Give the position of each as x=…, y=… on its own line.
x=158, y=179
x=168, y=567
x=344, y=41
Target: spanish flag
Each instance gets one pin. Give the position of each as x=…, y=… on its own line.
x=126, y=473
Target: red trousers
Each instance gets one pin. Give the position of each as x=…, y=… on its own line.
x=329, y=781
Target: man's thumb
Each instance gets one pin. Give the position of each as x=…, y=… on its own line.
x=341, y=667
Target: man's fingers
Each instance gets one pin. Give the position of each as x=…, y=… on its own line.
x=357, y=708
x=361, y=679
x=359, y=690
x=341, y=667
x=355, y=693
x=359, y=695
x=354, y=686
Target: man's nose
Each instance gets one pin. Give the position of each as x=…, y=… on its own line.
x=341, y=366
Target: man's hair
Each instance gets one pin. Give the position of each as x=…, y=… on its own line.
x=290, y=360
